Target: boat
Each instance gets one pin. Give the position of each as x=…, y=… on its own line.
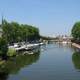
x=27, y=47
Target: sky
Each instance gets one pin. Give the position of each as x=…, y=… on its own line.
x=52, y=17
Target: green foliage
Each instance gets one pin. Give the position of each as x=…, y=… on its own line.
x=76, y=31
x=14, y=32
x=76, y=59
x=13, y=65
x=47, y=38
x=3, y=46
x=11, y=52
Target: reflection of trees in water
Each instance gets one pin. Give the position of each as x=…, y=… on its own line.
x=76, y=60
x=3, y=76
x=13, y=65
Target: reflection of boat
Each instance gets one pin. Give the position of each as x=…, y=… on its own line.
x=27, y=52
x=64, y=42
x=33, y=51
x=30, y=53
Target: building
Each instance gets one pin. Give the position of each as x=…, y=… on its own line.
x=64, y=38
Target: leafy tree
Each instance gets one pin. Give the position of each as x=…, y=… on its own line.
x=76, y=31
x=14, y=32
x=3, y=47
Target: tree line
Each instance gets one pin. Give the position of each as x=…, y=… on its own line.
x=15, y=32
x=76, y=32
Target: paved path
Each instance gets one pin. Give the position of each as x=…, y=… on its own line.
x=76, y=45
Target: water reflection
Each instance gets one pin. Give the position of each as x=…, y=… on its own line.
x=76, y=60
x=13, y=65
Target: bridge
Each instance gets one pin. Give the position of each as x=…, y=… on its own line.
x=60, y=39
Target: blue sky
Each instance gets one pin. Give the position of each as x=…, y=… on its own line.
x=53, y=17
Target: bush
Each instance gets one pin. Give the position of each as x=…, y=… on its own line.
x=76, y=32
x=11, y=52
x=3, y=47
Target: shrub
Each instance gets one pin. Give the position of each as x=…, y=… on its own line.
x=11, y=52
x=3, y=47
x=76, y=32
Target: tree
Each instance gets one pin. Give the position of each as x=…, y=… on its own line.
x=3, y=47
x=14, y=32
x=76, y=32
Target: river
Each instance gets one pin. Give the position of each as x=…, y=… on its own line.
x=52, y=62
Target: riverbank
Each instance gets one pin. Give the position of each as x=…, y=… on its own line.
x=76, y=45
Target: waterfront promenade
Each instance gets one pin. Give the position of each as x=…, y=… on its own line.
x=76, y=45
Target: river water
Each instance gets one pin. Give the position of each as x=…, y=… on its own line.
x=52, y=62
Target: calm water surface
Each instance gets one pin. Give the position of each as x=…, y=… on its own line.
x=52, y=62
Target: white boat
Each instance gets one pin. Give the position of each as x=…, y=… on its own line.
x=41, y=43
x=18, y=47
